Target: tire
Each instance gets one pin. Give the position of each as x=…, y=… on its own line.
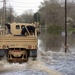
x=34, y=58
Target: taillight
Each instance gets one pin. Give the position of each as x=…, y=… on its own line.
x=4, y=46
x=29, y=46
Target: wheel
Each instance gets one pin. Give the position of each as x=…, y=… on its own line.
x=34, y=58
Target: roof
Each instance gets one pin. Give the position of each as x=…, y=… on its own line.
x=27, y=24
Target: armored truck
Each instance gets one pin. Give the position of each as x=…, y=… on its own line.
x=18, y=42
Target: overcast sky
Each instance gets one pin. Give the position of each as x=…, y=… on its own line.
x=21, y=5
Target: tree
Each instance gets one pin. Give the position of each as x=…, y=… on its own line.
x=71, y=10
x=37, y=17
x=1, y=10
x=26, y=17
x=52, y=13
x=10, y=15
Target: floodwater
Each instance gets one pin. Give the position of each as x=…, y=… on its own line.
x=30, y=68
x=56, y=42
x=51, y=58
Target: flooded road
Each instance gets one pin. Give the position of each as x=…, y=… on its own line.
x=30, y=68
x=47, y=63
x=50, y=63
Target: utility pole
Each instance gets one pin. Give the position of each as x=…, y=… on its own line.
x=4, y=16
x=4, y=13
x=10, y=17
x=65, y=26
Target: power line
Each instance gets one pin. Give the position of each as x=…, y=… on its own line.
x=23, y=2
x=25, y=7
x=36, y=1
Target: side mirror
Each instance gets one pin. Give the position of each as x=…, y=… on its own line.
x=38, y=32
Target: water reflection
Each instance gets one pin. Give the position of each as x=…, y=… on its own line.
x=71, y=40
x=55, y=42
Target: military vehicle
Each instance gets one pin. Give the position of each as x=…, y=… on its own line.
x=18, y=42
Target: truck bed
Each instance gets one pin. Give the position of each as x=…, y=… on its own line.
x=18, y=41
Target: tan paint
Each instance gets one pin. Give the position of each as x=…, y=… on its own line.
x=8, y=41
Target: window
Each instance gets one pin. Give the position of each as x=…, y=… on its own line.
x=17, y=27
x=22, y=26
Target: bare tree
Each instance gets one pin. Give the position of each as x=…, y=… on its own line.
x=10, y=14
x=52, y=12
x=26, y=17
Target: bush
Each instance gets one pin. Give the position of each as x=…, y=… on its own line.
x=54, y=29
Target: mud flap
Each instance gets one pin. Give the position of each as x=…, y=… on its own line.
x=33, y=53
